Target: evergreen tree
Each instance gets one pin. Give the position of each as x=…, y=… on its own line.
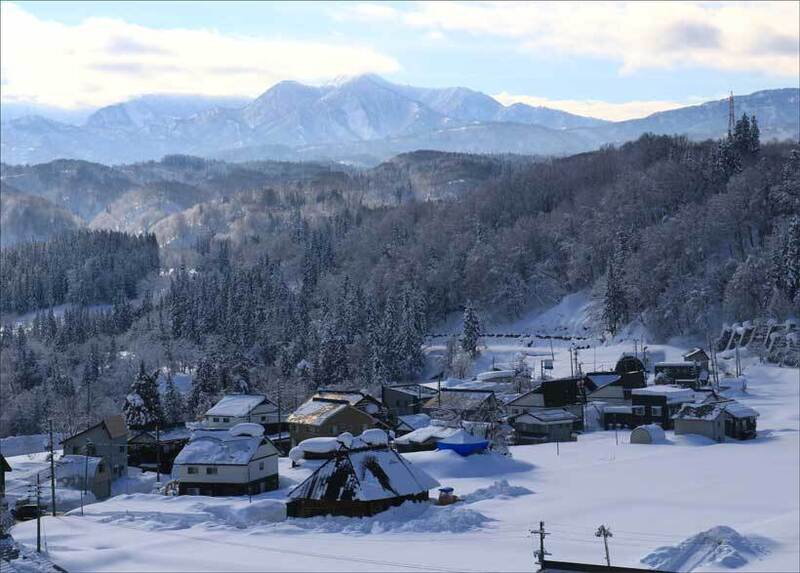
x=142, y=408
x=174, y=409
x=472, y=331
x=204, y=390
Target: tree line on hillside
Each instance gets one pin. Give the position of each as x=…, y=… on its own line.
x=678, y=235
x=79, y=267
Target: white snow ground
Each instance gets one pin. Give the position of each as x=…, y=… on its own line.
x=652, y=497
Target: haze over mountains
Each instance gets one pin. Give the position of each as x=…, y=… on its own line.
x=364, y=119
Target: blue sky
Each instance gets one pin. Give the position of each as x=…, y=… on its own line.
x=607, y=60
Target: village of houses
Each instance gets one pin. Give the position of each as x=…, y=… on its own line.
x=657, y=443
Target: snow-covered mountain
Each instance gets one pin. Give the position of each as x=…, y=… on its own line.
x=363, y=119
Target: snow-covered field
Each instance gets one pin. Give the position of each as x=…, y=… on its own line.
x=652, y=497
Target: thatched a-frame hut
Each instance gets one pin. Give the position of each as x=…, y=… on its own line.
x=358, y=481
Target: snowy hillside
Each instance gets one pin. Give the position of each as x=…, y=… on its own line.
x=653, y=497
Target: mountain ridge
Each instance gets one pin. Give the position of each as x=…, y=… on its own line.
x=364, y=119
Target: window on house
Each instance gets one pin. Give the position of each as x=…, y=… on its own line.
x=122, y=449
x=260, y=465
x=638, y=410
x=263, y=418
x=75, y=450
x=226, y=419
x=191, y=470
x=216, y=419
x=211, y=471
x=656, y=410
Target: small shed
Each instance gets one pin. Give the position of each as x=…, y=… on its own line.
x=365, y=479
x=463, y=443
x=411, y=422
x=648, y=434
x=717, y=420
x=425, y=438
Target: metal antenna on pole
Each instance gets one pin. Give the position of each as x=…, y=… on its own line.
x=540, y=553
x=605, y=533
x=731, y=115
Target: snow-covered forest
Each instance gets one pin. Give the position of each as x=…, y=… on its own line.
x=340, y=289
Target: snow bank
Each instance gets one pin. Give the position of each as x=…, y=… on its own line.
x=449, y=464
x=718, y=547
x=30, y=444
x=499, y=489
x=407, y=518
x=257, y=513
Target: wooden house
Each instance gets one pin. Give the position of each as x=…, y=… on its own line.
x=237, y=461
x=405, y=399
x=459, y=404
x=234, y=409
x=686, y=374
x=359, y=481
x=324, y=416
x=108, y=439
x=565, y=393
x=4, y=468
x=717, y=420
x=88, y=473
x=151, y=449
x=545, y=425
x=650, y=405
x=698, y=356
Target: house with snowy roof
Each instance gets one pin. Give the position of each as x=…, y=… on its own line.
x=238, y=461
x=686, y=374
x=565, y=393
x=405, y=399
x=698, y=356
x=424, y=438
x=361, y=479
x=330, y=414
x=463, y=404
x=650, y=405
x=717, y=420
x=411, y=422
x=234, y=409
x=108, y=439
x=541, y=426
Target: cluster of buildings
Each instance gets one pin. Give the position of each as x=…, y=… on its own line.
x=234, y=448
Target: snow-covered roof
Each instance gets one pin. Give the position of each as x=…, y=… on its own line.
x=71, y=466
x=236, y=405
x=315, y=411
x=426, y=433
x=352, y=397
x=549, y=416
x=712, y=410
x=618, y=410
x=495, y=374
x=672, y=393
x=462, y=437
x=115, y=426
x=219, y=447
x=675, y=365
x=364, y=475
x=695, y=352
x=459, y=400
x=414, y=421
x=602, y=379
x=414, y=389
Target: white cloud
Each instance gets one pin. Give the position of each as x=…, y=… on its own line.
x=598, y=108
x=736, y=36
x=101, y=61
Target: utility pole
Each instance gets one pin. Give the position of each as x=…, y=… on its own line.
x=571, y=363
x=38, y=516
x=731, y=116
x=605, y=533
x=541, y=553
x=158, y=454
x=52, y=469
